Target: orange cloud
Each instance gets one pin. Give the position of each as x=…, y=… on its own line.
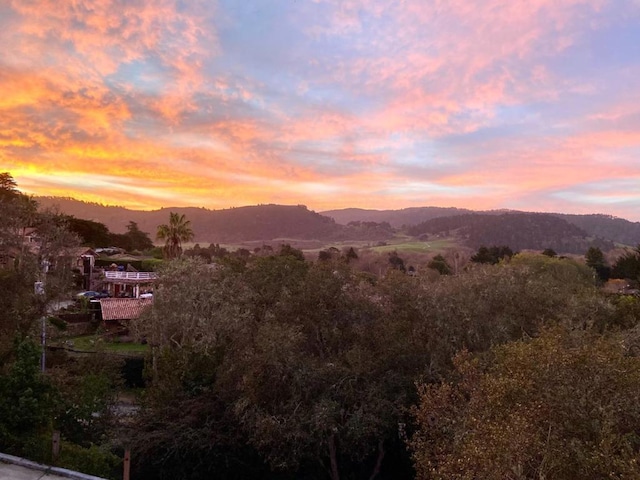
x=401, y=103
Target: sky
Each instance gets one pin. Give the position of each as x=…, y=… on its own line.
x=520, y=104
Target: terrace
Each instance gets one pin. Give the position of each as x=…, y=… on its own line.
x=128, y=284
x=130, y=277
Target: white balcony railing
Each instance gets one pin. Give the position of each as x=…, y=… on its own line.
x=140, y=276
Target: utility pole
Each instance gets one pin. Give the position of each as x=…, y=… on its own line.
x=38, y=288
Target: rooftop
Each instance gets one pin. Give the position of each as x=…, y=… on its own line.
x=124, y=308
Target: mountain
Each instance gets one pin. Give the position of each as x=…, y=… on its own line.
x=396, y=218
x=517, y=230
x=618, y=230
x=520, y=230
x=260, y=222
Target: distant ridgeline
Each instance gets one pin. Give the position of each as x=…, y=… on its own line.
x=596, y=226
x=260, y=222
x=616, y=229
x=520, y=231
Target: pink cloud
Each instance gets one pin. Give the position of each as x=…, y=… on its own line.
x=134, y=87
x=438, y=59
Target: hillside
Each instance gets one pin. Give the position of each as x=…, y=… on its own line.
x=618, y=230
x=261, y=222
x=519, y=231
x=396, y=218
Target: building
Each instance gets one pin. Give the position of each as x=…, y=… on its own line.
x=117, y=313
x=121, y=284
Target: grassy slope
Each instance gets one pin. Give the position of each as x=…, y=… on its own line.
x=407, y=244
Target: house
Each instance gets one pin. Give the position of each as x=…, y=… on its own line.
x=118, y=312
x=14, y=246
x=84, y=259
x=128, y=284
x=81, y=255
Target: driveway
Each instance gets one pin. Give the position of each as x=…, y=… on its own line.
x=16, y=468
x=16, y=472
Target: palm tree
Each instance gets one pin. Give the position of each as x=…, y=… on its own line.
x=177, y=231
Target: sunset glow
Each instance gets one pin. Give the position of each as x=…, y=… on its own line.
x=329, y=103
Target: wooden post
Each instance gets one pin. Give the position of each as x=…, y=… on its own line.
x=126, y=464
x=55, y=445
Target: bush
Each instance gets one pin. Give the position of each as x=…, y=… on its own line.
x=93, y=460
x=58, y=323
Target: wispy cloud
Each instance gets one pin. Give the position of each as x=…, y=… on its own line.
x=331, y=103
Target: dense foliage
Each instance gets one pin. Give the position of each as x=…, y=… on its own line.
x=628, y=265
x=519, y=231
x=74, y=397
x=96, y=234
x=612, y=228
x=281, y=367
x=562, y=406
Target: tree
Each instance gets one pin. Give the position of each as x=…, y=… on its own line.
x=351, y=255
x=309, y=366
x=93, y=234
x=178, y=230
x=549, y=252
x=397, y=263
x=628, y=265
x=216, y=251
x=324, y=256
x=78, y=404
x=200, y=318
x=287, y=250
x=138, y=240
x=26, y=400
x=22, y=262
x=492, y=255
x=320, y=383
x=595, y=259
x=8, y=186
x=18, y=213
x=280, y=358
x=439, y=264
x=561, y=406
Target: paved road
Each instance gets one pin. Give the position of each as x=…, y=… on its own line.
x=16, y=472
x=15, y=468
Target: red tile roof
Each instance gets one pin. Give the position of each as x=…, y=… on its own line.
x=124, y=308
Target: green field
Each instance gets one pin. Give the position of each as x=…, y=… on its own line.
x=411, y=245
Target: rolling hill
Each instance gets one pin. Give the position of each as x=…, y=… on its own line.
x=617, y=230
x=396, y=218
x=251, y=223
x=519, y=231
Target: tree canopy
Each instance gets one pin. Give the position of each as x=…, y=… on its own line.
x=492, y=255
x=298, y=365
x=628, y=265
x=563, y=405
